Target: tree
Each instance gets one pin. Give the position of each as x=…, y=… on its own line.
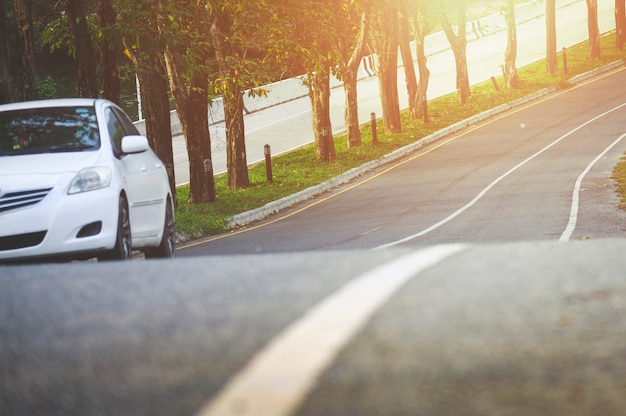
x=510, y=55
x=307, y=36
x=85, y=55
x=229, y=58
x=240, y=46
x=22, y=10
x=186, y=55
x=405, y=51
x=620, y=23
x=385, y=42
x=350, y=44
x=144, y=46
x=551, y=59
x=458, y=42
x=153, y=88
x=594, y=31
x=8, y=89
x=192, y=102
x=420, y=13
x=318, y=83
x=109, y=47
x=421, y=23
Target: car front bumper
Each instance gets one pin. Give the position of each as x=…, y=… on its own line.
x=70, y=224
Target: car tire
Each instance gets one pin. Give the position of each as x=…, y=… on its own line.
x=167, y=248
x=123, y=249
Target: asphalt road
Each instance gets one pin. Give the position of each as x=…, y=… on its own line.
x=507, y=329
x=512, y=178
x=481, y=275
x=350, y=319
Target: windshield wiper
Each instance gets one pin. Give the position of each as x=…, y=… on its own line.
x=70, y=148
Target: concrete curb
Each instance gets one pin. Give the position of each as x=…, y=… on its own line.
x=286, y=202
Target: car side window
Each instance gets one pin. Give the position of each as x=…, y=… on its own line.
x=116, y=131
x=128, y=125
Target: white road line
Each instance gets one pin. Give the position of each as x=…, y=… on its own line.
x=495, y=182
x=252, y=130
x=279, y=377
x=573, y=216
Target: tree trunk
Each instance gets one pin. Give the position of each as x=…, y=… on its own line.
x=407, y=57
x=194, y=119
x=510, y=55
x=551, y=58
x=419, y=107
x=85, y=55
x=319, y=94
x=232, y=96
x=386, y=45
x=24, y=36
x=620, y=23
x=111, y=68
x=594, y=30
x=237, y=163
x=388, y=84
x=458, y=42
x=155, y=104
x=192, y=105
x=8, y=89
x=145, y=50
x=351, y=111
x=349, y=71
x=195, y=126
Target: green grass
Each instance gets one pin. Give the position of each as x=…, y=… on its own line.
x=619, y=174
x=299, y=169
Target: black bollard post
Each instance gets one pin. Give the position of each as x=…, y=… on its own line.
x=268, y=163
x=495, y=83
x=374, y=132
x=565, y=61
x=210, y=182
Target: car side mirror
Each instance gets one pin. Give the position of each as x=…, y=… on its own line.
x=135, y=144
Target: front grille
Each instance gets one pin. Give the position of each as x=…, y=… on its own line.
x=15, y=200
x=14, y=242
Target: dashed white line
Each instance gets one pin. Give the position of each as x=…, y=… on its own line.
x=278, y=378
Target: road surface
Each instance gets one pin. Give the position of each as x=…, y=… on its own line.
x=511, y=178
x=483, y=275
x=515, y=329
x=417, y=326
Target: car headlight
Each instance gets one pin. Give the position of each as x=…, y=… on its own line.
x=90, y=179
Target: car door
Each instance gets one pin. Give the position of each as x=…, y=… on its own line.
x=142, y=176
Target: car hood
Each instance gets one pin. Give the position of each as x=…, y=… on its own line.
x=47, y=163
x=42, y=170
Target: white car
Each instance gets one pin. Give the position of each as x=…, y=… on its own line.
x=78, y=181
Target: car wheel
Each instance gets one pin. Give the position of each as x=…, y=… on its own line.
x=167, y=247
x=123, y=249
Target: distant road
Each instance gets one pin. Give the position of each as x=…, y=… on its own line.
x=288, y=126
x=540, y=172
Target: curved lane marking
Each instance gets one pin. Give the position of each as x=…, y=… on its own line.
x=278, y=378
x=496, y=181
x=573, y=216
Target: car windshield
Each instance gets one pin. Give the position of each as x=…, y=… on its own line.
x=48, y=130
